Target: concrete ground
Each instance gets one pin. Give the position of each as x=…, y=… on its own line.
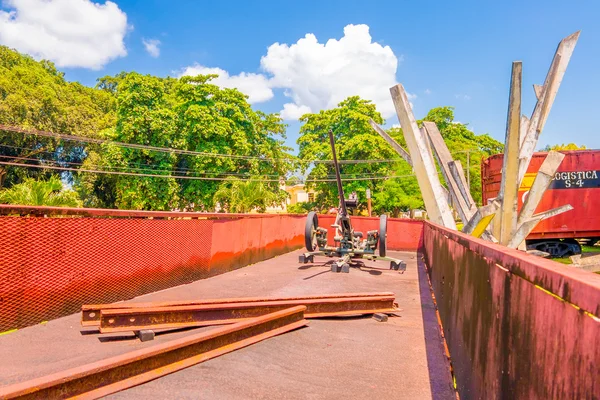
x=356, y=358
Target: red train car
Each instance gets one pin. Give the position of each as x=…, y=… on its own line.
x=577, y=182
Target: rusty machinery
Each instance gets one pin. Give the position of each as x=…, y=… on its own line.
x=349, y=244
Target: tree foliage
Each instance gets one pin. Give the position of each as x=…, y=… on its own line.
x=569, y=146
x=33, y=192
x=464, y=145
x=354, y=140
x=398, y=194
x=191, y=114
x=303, y=207
x=35, y=95
x=242, y=196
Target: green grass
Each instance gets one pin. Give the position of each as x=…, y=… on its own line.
x=590, y=249
x=562, y=260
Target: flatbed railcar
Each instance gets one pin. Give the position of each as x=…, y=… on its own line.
x=576, y=182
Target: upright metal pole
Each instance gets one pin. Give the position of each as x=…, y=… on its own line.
x=338, y=178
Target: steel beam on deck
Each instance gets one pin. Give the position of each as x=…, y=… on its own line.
x=142, y=318
x=114, y=374
x=90, y=313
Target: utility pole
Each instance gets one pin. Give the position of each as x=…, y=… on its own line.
x=369, y=201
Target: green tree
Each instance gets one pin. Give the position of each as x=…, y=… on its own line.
x=302, y=207
x=40, y=193
x=354, y=140
x=35, y=95
x=191, y=114
x=241, y=196
x=559, y=147
x=398, y=194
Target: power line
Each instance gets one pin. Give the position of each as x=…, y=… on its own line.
x=14, y=164
x=84, y=139
x=178, y=169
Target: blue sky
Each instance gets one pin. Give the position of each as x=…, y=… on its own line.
x=455, y=53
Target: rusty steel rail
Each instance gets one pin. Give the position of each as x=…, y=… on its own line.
x=90, y=313
x=114, y=374
x=135, y=319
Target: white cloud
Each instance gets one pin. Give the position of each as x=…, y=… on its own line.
x=151, y=46
x=293, y=111
x=255, y=86
x=71, y=33
x=427, y=91
x=317, y=76
x=320, y=75
x=463, y=96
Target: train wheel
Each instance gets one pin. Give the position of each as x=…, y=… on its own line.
x=310, y=231
x=382, y=235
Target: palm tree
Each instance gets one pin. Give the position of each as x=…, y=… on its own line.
x=40, y=193
x=242, y=196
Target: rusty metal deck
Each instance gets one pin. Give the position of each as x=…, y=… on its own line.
x=332, y=358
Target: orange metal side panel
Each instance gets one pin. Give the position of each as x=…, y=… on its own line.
x=241, y=242
x=49, y=267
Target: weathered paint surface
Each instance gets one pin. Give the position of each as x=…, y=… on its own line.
x=581, y=222
x=517, y=326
